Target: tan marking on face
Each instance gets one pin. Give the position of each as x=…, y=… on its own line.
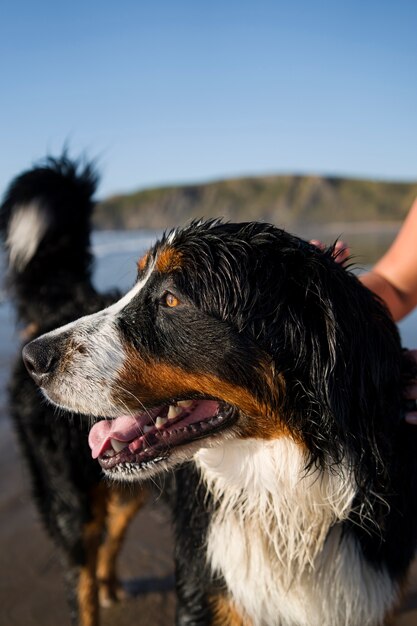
x=169, y=260
x=225, y=613
x=151, y=383
x=142, y=263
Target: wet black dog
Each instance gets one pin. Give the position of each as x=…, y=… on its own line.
x=45, y=220
x=271, y=381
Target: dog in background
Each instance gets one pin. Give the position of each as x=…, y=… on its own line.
x=45, y=222
x=270, y=382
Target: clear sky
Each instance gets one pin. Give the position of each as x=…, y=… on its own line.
x=180, y=91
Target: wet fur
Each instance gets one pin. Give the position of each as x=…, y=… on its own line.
x=302, y=512
x=45, y=221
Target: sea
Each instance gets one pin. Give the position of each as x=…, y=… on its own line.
x=116, y=254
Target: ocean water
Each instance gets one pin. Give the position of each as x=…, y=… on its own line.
x=116, y=254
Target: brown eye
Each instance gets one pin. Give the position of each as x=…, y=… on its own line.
x=170, y=300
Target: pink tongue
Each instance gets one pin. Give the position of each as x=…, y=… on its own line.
x=123, y=428
x=130, y=427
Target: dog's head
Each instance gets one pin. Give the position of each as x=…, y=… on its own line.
x=231, y=330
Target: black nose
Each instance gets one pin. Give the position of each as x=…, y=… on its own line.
x=40, y=359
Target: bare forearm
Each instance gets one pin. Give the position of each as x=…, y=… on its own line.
x=394, y=277
x=398, y=302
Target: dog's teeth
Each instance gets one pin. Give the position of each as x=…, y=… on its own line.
x=147, y=428
x=109, y=452
x=160, y=421
x=118, y=445
x=174, y=411
x=185, y=403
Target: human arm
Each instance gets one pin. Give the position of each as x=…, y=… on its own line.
x=394, y=277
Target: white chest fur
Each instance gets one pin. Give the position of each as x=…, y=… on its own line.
x=272, y=539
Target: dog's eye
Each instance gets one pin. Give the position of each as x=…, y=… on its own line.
x=168, y=299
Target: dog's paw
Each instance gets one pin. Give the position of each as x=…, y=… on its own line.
x=110, y=592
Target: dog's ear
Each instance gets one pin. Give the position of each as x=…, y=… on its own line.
x=341, y=356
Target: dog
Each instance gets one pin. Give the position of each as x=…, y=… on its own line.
x=266, y=382
x=45, y=221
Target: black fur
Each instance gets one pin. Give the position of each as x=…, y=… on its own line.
x=252, y=290
x=57, y=279
x=337, y=348
x=254, y=299
x=54, y=288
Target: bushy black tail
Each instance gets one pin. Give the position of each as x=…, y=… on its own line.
x=45, y=222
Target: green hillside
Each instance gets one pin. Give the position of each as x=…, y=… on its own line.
x=290, y=201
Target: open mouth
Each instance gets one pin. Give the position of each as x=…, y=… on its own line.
x=151, y=435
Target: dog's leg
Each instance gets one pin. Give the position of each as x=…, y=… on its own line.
x=73, y=518
x=87, y=591
x=122, y=505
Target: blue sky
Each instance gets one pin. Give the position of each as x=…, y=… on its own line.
x=178, y=91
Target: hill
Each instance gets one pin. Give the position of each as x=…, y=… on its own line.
x=290, y=201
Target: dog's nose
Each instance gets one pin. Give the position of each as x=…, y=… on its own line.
x=40, y=359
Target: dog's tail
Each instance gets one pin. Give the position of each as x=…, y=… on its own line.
x=45, y=222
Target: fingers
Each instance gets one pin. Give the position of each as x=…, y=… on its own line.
x=341, y=250
x=319, y=244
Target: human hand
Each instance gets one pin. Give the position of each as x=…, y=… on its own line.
x=411, y=415
x=341, y=250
